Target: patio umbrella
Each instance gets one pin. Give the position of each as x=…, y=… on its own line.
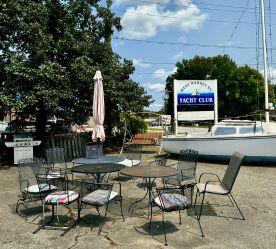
x=98, y=108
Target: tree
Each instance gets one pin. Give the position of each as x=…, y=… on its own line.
x=237, y=86
x=49, y=53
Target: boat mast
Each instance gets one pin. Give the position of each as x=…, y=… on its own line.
x=265, y=61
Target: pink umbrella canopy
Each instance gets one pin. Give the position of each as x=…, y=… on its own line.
x=98, y=108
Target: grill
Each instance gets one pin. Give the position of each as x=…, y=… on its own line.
x=22, y=147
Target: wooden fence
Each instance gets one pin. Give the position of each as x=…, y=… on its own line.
x=73, y=144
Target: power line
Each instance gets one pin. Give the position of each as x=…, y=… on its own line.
x=188, y=19
x=185, y=44
x=239, y=8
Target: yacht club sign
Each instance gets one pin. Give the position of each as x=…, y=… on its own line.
x=195, y=92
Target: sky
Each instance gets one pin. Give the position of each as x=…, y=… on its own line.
x=158, y=33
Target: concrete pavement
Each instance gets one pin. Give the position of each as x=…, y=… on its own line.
x=254, y=191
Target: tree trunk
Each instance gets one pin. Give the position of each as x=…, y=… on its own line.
x=41, y=121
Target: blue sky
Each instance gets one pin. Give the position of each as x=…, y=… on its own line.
x=158, y=33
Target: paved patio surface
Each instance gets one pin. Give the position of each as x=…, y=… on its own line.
x=254, y=191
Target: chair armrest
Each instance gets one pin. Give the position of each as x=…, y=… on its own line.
x=212, y=174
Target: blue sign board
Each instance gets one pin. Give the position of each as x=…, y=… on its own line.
x=198, y=99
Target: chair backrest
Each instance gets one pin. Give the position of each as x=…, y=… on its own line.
x=28, y=169
x=232, y=170
x=93, y=150
x=161, y=160
x=187, y=162
x=134, y=151
x=55, y=155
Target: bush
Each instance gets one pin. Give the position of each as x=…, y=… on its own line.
x=137, y=125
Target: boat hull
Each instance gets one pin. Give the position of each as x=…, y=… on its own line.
x=256, y=148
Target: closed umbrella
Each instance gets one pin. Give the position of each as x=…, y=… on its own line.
x=98, y=108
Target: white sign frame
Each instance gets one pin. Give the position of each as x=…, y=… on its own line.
x=195, y=92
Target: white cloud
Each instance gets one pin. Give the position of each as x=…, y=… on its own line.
x=135, y=2
x=137, y=62
x=158, y=87
x=162, y=73
x=155, y=106
x=144, y=21
x=178, y=56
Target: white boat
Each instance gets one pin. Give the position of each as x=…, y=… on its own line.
x=257, y=140
x=254, y=139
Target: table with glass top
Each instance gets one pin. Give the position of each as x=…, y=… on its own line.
x=99, y=160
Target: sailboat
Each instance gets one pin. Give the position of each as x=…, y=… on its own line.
x=255, y=139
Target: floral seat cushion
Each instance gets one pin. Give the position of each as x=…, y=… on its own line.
x=171, y=202
x=61, y=197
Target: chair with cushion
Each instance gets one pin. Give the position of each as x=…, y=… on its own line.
x=56, y=156
x=221, y=187
x=100, y=195
x=63, y=196
x=133, y=155
x=30, y=190
x=169, y=200
x=186, y=165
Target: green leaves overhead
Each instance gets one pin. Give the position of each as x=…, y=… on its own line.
x=49, y=53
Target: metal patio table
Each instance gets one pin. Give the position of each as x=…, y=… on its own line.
x=150, y=173
x=98, y=171
x=100, y=160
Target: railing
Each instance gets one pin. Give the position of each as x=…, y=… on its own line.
x=73, y=144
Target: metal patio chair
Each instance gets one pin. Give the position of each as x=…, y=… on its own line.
x=186, y=165
x=63, y=196
x=133, y=154
x=100, y=195
x=224, y=186
x=56, y=156
x=170, y=199
x=30, y=189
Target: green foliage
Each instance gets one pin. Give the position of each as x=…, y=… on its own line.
x=137, y=124
x=49, y=53
x=240, y=89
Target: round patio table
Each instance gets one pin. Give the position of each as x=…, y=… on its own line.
x=98, y=171
x=150, y=173
x=100, y=160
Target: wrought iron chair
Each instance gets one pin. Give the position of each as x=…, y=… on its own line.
x=100, y=195
x=63, y=196
x=186, y=165
x=93, y=150
x=30, y=190
x=224, y=186
x=133, y=155
x=169, y=200
x=56, y=156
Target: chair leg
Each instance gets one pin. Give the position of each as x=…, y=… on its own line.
x=121, y=206
x=237, y=205
x=197, y=192
x=166, y=243
x=179, y=213
x=198, y=220
x=150, y=215
x=200, y=211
